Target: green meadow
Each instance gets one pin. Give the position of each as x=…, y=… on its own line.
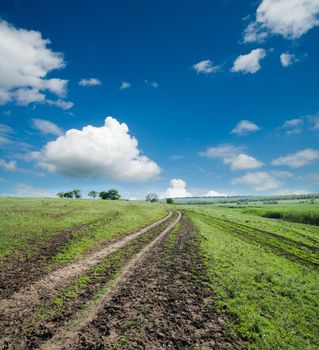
x=263, y=272
x=27, y=224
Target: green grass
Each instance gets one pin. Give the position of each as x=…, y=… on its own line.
x=26, y=224
x=271, y=300
x=302, y=213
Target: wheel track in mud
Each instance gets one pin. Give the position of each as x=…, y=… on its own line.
x=65, y=338
x=25, y=301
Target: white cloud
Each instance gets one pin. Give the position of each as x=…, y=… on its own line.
x=314, y=119
x=10, y=166
x=5, y=133
x=224, y=151
x=281, y=174
x=153, y=84
x=90, y=82
x=125, y=85
x=24, y=97
x=286, y=192
x=6, y=129
x=25, y=63
x=287, y=59
x=245, y=127
x=108, y=151
x=61, y=104
x=233, y=156
x=249, y=63
x=205, y=67
x=293, y=126
x=298, y=159
x=177, y=189
x=260, y=181
x=243, y=162
x=214, y=194
x=289, y=18
x=46, y=127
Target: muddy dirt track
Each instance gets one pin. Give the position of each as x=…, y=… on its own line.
x=158, y=301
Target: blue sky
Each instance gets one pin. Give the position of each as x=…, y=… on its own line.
x=221, y=96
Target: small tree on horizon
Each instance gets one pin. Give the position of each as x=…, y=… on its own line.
x=77, y=193
x=169, y=200
x=68, y=194
x=152, y=197
x=60, y=194
x=93, y=194
x=112, y=194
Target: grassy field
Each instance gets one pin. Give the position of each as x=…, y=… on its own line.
x=26, y=224
x=264, y=274
x=261, y=259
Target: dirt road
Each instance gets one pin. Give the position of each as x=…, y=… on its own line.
x=154, y=297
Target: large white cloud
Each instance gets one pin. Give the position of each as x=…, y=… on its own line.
x=233, y=156
x=289, y=18
x=245, y=127
x=25, y=62
x=249, y=63
x=261, y=181
x=177, y=189
x=298, y=159
x=108, y=151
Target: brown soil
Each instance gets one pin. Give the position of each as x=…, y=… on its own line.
x=163, y=304
x=16, y=273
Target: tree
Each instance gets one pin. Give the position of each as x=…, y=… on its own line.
x=169, y=200
x=92, y=194
x=112, y=194
x=76, y=193
x=68, y=194
x=103, y=195
x=60, y=194
x=152, y=197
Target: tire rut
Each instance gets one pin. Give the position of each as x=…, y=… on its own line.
x=24, y=302
x=160, y=302
x=65, y=339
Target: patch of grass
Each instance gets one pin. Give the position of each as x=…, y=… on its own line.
x=26, y=224
x=302, y=213
x=172, y=238
x=270, y=301
x=121, y=342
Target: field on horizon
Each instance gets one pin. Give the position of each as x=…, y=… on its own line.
x=251, y=274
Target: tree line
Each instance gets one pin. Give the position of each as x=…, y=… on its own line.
x=111, y=194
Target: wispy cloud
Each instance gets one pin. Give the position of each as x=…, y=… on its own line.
x=205, y=67
x=90, y=82
x=125, y=85
x=245, y=127
x=298, y=159
x=233, y=156
x=46, y=127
